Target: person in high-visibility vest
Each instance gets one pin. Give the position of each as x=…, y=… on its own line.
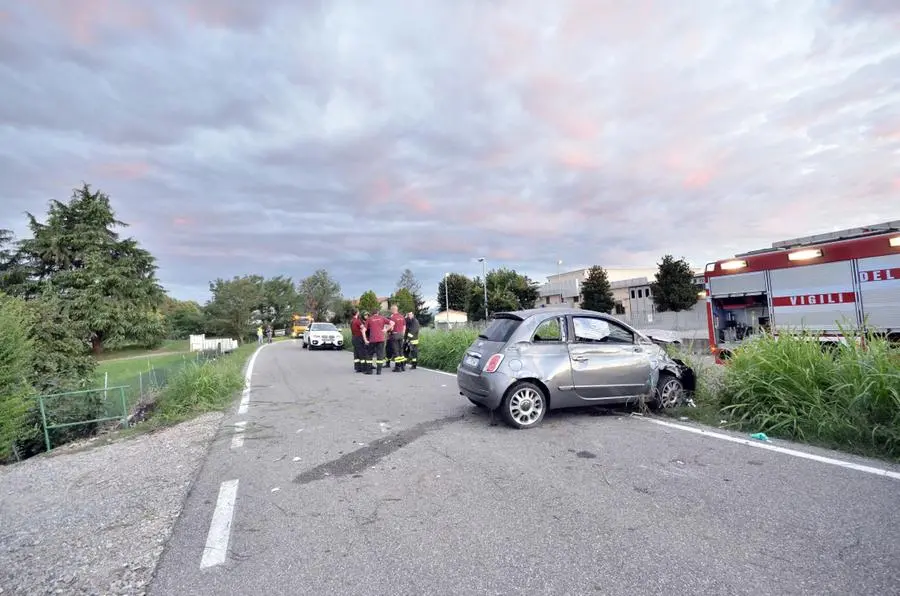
x=359, y=346
x=398, y=331
x=376, y=327
x=412, y=340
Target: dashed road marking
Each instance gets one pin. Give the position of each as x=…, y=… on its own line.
x=245, y=395
x=769, y=447
x=237, y=441
x=220, y=527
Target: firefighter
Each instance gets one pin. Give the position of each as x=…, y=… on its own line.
x=377, y=326
x=398, y=331
x=359, y=346
x=412, y=340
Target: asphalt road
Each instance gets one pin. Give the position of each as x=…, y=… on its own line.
x=402, y=487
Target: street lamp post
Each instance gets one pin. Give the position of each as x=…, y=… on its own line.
x=447, y=299
x=483, y=262
x=558, y=282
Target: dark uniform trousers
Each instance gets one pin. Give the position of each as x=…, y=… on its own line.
x=376, y=356
x=396, y=351
x=412, y=350
x=359, y=353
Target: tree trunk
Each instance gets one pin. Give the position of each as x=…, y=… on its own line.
x=96, y=344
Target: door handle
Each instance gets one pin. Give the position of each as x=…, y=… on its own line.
x=579, y=358
x=638, y=349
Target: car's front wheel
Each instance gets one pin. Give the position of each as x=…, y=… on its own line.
x=524, y=405
x=669, y=391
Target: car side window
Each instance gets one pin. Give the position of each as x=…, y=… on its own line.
x=549, y=330
x=592, y=330
x=620, y=335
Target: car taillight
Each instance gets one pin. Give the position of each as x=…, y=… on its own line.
x=493, y=363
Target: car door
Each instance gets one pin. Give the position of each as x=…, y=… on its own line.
x=607, y=361
x=545, y=355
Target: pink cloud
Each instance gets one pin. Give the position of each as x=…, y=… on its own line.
x=576, y=159
x=84, y=19
x=182, y=221
x=125, y=170
x=697, y=179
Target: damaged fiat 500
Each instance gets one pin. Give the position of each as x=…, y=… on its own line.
x=528, y=362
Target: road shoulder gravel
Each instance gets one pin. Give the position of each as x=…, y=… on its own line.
x=96, y=521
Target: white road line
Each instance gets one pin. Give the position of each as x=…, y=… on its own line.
x=237, y=441
x=440, y=372
x=245, y=395
x=220, y=528
x=761, y=445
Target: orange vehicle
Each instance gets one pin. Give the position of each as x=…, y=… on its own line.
x=299, y=324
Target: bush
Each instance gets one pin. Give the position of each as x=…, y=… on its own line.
x=440, y=350
x=16, y=391
x=848, y=396
x=200, y=387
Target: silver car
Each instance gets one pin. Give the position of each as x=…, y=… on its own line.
x=530, y=361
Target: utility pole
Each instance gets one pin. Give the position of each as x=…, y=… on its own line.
x=483, y=262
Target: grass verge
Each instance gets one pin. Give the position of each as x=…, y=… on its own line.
x=201, y=387
x=845, y=398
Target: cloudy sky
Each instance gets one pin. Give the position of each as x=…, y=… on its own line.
x=282, y=136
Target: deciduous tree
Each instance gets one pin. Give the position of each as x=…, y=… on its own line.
x=183, y=318
x=404, y=300
x=368, y=302
x=409, y=282
x=279, y=300
x=596, y=291
x=319, y=293
x=230, y=310
x=674, y=288
x=459, y=288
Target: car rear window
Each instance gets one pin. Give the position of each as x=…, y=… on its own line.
x=500, y=330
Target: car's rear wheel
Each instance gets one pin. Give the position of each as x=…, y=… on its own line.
x=669, y=391
x=524, y=405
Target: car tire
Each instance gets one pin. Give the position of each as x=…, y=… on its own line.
x=524, y=405
x=669, y=391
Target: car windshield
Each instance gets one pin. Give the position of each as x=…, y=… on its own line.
x=500, y=330
x=303, y=321
x=323, y=327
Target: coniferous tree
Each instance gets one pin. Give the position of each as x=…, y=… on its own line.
x=596, y=291
x=674, y=288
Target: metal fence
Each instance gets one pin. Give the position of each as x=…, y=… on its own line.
x=88, y=409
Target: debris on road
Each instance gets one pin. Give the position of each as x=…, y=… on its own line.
x=760, y=437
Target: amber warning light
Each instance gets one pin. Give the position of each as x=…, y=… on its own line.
x=731, y=265
x=805, y=255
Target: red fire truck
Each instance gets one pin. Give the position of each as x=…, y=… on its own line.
x=820, y=284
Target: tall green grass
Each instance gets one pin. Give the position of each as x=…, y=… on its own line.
x=440, y=350
x=201, y=387
x=847, y=396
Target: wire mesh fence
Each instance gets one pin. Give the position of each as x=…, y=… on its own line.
x=67, y=416
x=147, y=383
